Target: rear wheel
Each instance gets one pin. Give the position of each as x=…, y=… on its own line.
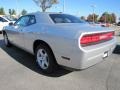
x=6, y=40
x=45, y=59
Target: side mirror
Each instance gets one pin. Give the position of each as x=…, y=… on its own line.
x=11, y=24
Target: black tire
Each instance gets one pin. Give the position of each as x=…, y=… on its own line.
x=52, y=65
x=0, y=32
x=6, y=40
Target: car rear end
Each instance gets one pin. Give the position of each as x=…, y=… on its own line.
x=84, y=45
x=95, y=47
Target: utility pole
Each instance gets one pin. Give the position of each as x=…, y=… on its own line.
x=105, y=19
x=63, y=6
x=17, y=8
x=93, y=7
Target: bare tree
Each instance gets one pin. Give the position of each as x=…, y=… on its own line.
x=82, y=18
x=45, y=4
x=23, y=12
x=90, y=17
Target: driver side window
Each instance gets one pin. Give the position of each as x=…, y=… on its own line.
x=23, y=21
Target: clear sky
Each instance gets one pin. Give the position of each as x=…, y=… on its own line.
x=76, y=7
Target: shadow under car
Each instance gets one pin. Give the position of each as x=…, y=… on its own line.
x=28, y=60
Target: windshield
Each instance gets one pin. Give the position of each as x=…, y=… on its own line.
x=64, y=18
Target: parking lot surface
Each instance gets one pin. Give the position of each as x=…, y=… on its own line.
x=18, y=71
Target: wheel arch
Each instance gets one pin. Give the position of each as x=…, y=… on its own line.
x=41, y=42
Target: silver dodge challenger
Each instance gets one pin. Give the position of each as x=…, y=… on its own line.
x=60, y=39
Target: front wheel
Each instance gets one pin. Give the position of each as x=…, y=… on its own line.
x=6, y=41
x=45, y=59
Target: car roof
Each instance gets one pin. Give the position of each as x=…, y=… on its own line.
x=43, y=13
x=43, y=16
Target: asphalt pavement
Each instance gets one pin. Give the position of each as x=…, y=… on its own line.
x=18, y=71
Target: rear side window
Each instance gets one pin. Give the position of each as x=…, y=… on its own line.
x=64, y=18
x=32, y=20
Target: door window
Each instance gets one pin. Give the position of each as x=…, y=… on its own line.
x=26, y=20
x=23, y=21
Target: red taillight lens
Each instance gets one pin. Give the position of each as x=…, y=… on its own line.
x=92, y=39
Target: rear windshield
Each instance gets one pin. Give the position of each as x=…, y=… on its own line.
x=64, y=18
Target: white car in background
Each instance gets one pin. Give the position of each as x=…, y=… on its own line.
x=4, y=21
x=56, y=38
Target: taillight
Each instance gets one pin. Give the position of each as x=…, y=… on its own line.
x=91, y=39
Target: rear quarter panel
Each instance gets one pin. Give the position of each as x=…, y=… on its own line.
x=62, y=42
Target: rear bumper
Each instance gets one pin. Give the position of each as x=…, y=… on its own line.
x=88, y=57
x=96, y=56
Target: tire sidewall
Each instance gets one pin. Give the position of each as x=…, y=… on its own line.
x=51, y=61
x=6, y=37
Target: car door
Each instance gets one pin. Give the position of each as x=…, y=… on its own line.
x=29, y=33
x=17, y=31
x=3, y=23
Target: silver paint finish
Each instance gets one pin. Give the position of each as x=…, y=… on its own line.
x=64, y=40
